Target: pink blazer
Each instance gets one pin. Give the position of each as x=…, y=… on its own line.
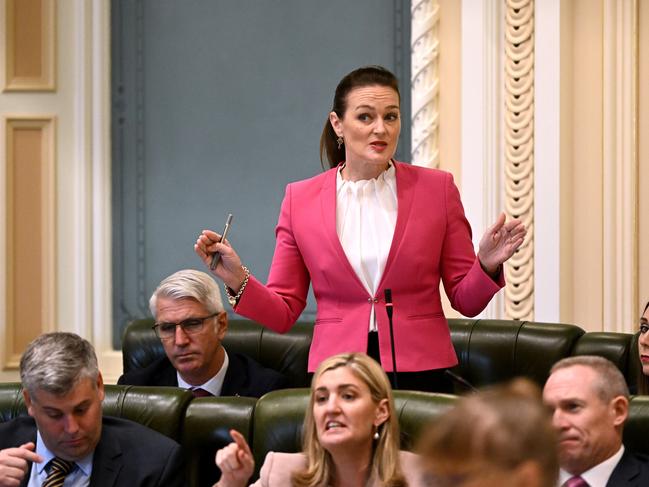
x=432, y=241
x=278, y=468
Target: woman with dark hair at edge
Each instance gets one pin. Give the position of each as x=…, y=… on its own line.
x=643, y=352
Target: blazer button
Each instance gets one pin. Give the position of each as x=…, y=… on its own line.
x=369, y=300
x=376, y=300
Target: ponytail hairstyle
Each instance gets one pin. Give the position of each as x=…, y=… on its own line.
x=365, y=76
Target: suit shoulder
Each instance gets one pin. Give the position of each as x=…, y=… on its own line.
x=633, y=469
x=160, y=372
x=425, y=173
x=253, y=378
x=130, y=432
x=17, y=431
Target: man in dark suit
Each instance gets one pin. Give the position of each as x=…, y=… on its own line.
x=590, y=402
x=191, y=323
x=66, y=438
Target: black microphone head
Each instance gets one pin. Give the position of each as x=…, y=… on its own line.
x=388, y=295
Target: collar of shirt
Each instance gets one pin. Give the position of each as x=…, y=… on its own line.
x=598, y=475
x=388, y=176
x=215, y=384
x=84, y=464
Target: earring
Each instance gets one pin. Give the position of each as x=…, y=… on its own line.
x=340, y=141
x=376, y=435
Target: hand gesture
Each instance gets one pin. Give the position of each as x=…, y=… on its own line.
x=235, y=461
x=13, y=464
x=499, y=243
x=229, y=268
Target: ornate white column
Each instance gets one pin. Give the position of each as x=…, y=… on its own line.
x=519, y=152
x=425, y=82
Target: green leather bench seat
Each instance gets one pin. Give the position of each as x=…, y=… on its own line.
x=489, y=351
x=271, y=423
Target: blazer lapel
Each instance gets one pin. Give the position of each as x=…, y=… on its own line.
x=235, y=377
x=107, y=461
x=328, y=204
x=406, y=182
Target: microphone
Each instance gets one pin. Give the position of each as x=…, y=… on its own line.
x=461, y=380
x=389, y=310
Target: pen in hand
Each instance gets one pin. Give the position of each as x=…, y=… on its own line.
x=216, y=256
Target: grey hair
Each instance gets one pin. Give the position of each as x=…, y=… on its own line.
x=610, y=382
x=189, y=284
x=56, y=362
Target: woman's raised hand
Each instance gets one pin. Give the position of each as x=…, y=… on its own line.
x=499, y=243
x=229, y=268
x=235, y=461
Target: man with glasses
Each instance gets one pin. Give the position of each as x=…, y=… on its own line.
x=191, y=324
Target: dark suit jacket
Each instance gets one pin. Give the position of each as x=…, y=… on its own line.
x=631, y=471
x=244, y=376
x=127, y=453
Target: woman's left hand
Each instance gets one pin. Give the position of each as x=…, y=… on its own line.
x=499, y=243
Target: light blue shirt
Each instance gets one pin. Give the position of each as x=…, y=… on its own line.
x=78, y=477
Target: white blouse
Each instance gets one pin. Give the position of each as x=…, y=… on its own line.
x=366, y=215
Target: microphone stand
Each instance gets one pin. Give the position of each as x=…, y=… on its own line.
x=388, y=309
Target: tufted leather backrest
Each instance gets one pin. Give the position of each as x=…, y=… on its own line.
x=136, y=403
x=207, y=425
x=489, y=351
x=287, y=353
x=492, y=351
x=159, y=408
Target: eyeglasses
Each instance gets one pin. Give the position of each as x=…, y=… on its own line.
x=191, y=326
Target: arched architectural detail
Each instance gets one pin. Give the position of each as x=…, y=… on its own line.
x=519, y=152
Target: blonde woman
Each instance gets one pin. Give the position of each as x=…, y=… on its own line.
x=351, y=436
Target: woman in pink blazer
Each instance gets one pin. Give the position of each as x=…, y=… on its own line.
x=351, y=436
x=367, y=225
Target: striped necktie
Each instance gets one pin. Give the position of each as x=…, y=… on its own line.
x=59, y=469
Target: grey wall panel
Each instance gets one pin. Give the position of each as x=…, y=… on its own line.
x=217, y=105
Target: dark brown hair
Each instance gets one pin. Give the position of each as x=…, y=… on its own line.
x=365, y=76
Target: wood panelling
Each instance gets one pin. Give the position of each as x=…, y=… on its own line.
x=30, y=45
x=30, y=279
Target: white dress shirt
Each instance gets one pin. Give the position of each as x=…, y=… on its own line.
x=78, y=477
x=598, y=475
x=366, y=215
x=215, y=384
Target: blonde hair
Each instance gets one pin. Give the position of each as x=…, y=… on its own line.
x=504, y=426
x=385, y=456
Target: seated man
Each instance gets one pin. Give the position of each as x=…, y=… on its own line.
x=191, y=323
x=589, y=399
x=66, y=438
